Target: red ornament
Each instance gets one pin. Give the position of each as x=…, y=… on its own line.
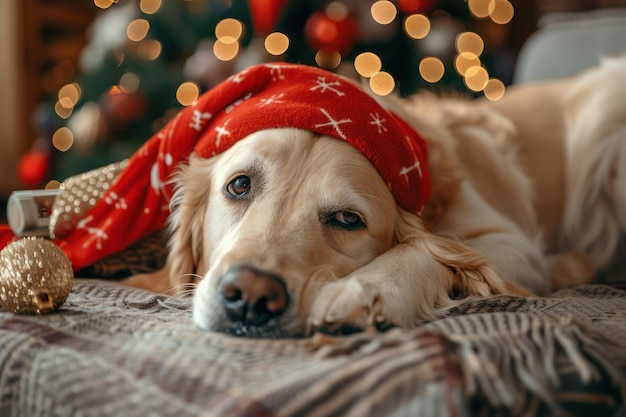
x=264, y=14
x=123, y=108
x=323, y=32
x=416, y=6
x=33, y=168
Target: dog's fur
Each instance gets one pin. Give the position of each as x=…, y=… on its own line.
x=529, y=195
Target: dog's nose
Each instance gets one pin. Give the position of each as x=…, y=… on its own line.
x=252, y=297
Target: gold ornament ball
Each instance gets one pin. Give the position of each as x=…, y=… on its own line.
x=35, y=276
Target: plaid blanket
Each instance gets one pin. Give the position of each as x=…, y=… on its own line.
x=118, y=351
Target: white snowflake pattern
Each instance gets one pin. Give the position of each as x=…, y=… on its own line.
x=276, y=70
x=378, y=122
x=232, y=106
x=155, y=178
x=113, y=199
x=334, y=123
x=221, y=132
x=416, y=165
x=274, y=99
x=239, y=77
x=96, y=233
x=322, y=85
x=198, y=119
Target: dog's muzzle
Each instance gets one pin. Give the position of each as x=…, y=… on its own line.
x=252, y=297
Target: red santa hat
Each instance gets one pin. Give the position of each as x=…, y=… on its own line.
x=277, y=95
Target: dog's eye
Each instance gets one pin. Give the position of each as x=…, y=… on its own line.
x=239, y=186
x=347, y=220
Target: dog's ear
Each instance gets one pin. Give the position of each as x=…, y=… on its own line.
x=187, y=221
x=472, y=273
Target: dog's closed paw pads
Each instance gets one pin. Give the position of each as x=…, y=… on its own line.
x=346, y=307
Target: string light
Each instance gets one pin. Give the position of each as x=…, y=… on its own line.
x=276, y=43
x=431, y=69
x=384, y=12
x=367, y=64
x=382, y=83
x=187, y=93
x=417, y=26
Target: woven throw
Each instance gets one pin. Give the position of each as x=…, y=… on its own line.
x=118, y=351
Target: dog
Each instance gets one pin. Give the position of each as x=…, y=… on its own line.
x=290, y=232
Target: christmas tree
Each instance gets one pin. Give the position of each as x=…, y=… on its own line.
x=149, y=58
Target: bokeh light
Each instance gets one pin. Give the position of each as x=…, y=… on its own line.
x=476, y=78
x=276, y=43
x=328, y=58
x=384, y=12
x=479, y=8
x=337, y=11
x=494, y=90
x=137, y=30
x=417, y=26
x=470, y=42
x=149, y=49
x=104, y=4
x=431, y=69
x=225, y=51
x=382, y=83
x=231, y=28
x=62, y=139
x=53, y=185
x=69, y=95
x=465, y=61
x=130, y=81
x=62, y=111
x=150, y=6
x=501, y=11
x=367, y=64
x=187, y=93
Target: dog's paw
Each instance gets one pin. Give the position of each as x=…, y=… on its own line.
x=350, y=305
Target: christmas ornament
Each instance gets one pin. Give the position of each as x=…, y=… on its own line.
x=324, y=32
x=264, y=14
x=35, y=276
x=33, y=168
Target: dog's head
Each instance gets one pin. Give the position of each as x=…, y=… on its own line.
x=270, y=221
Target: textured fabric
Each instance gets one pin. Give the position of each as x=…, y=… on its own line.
x=117, y=351
x=261, y=97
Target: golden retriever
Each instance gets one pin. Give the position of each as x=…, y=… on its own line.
x=287, y=237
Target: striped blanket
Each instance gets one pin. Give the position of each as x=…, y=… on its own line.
x=117, y=351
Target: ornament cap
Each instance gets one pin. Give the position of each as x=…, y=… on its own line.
x=28, y=212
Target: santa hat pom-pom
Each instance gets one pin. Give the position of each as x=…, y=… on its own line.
x=35, y=276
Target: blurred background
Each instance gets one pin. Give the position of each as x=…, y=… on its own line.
x=85, y=82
